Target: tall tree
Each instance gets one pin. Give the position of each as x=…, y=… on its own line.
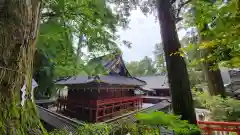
x=19, y=21
x=182, y=101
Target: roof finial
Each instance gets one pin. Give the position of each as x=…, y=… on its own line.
x=96, y=77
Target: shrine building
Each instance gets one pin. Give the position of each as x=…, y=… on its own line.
x=98, y=98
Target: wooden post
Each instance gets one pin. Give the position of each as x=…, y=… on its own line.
x=209, y=132
x=82, y=111
x=96, y=115
x=113, y=108
x=90, y=115
x=103, y=110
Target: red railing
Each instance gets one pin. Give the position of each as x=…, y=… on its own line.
x=116, y=100
x=222, y=128
x=100, y=102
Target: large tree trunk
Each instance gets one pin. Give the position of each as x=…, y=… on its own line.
x=215, y=82
x=213, y=77
x=19, y=25
x=182, y=101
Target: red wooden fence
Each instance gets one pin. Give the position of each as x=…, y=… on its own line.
x=219, y=128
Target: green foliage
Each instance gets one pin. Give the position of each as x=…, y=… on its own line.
x=222, y=109
x=195, y=76
x=160, y=58
x=180, y=127
x=43, y=75
x=221, y=36
x=144, y=67
x=95, y=65
x=91, y=22
x=148, y=124
x=59, y=132
x=192, y=57
x=67, y=27
x=87, y=129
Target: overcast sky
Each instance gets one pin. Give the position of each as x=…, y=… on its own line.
x=144, y=33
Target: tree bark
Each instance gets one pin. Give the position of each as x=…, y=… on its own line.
x=213, y=77
x=182, y=101
x=19, y=21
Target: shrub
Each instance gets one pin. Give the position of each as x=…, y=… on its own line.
x=94, y=129
x=155, y=120
x=222, y=109
x=87, y=129
x=147, y=124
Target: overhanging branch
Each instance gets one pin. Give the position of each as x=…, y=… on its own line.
x=181, y=6
x=178, y=10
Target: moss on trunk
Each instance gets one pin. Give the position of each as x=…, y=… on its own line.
x=19, y=25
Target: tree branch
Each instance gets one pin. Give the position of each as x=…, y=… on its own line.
x=180, y=8
x=172, y=1
x=178, y=19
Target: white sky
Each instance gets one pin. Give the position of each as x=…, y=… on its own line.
x=143, y=33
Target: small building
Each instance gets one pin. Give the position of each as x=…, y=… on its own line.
x=101, y=97
x=98, y=98
x=158, y=83
x=231, y=79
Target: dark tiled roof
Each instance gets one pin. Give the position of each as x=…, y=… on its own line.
x=110, y=79
x=145, y=88
x=157, y=97
x=113, y=64
x=155, y=82
x=115, y=67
